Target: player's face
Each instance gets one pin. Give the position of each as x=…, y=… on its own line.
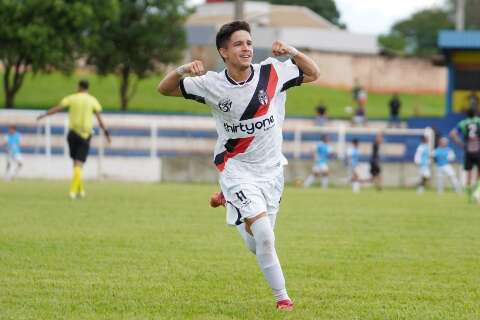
x=239, y=51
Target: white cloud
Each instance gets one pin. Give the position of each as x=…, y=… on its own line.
x=377, y=16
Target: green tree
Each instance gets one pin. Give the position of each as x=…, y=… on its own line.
x=146, y=33
x=326, y=8
x=43, y=35
x=419, y=33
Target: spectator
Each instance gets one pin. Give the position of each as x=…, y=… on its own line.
x=395, y=104
x=356, y=90
x=321, y=117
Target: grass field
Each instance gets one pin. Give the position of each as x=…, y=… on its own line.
x=43, y=91
x=156, y=251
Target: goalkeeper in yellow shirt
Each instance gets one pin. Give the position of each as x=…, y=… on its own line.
x=81, y=106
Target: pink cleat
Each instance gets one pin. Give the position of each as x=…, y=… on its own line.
x=217, y=200
x=285, y=305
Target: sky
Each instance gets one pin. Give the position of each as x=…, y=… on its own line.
x=374, y=16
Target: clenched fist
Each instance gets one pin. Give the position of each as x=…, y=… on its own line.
x=194, y=68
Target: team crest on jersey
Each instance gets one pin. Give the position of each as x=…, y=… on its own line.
x=225, y=104
x=263, y=97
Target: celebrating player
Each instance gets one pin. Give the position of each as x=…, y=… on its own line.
x=469, y=129
x=81, y=106
x=14, y=156
x=322, y=153
x=247, y=102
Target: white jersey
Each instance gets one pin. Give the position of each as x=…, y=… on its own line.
x=249, y=116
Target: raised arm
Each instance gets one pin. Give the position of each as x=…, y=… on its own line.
x=51, y=111
x=170, y=85
x=311, y=72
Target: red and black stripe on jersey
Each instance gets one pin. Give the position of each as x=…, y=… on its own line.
x=267, y=82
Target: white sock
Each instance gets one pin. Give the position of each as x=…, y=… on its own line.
x=324, y=182
x=309, y=181
x=247, y=238
x=267, y=257
x=356, y=186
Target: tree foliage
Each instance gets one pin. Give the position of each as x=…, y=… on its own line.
x=417, y=35
x=145, y=33
x=41, y=35
x=326, y=8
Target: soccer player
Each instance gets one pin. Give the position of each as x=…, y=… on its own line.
x=322, y=153
x=14, y=156
x=443, y=155
x=247, y=102
x=375, y=169
x=81, y=106
x=353, y=159
x=422, y=160
x=469, y=131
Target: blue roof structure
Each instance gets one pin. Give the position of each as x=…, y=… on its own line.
x=459, y=40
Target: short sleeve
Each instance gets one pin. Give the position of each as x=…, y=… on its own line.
x=97, y=107
x=289, y=74
x=194, y=88
x=65, y=102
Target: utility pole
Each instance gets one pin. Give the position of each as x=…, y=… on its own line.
x=239, y=10
x=460, y=15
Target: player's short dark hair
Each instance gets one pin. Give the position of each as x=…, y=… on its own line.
x=355, y=142
x=83, y=84
x=226, y=31
x=321, y=109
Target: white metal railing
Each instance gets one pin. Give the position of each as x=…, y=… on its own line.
x=155, y=123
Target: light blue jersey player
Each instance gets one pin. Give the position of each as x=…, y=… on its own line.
x=443, y=155
x=323, y=152
x=353, y=158
x=422, y=160
x=14, y=156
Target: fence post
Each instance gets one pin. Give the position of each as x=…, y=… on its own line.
x=153, y=139
x=341, y=143
x=48, y=139
x=297, y=138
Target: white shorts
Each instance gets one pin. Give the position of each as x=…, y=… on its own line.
x=352, y=171
x=247, y=198
x=445, y=170
x=320, y=168
x=17, y=157
x=424, y=172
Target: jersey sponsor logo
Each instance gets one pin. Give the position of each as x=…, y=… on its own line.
x=252, y=127
x=225, y=104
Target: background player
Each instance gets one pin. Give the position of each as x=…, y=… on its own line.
x=353, y=161
x=14, y=155
x=422, y=160
x=82, y=106
x=443, y=155
x=247, y=101
x=323, y=151
x=469, y=131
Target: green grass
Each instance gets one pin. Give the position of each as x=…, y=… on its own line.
x=43, y=91
x=156, y=251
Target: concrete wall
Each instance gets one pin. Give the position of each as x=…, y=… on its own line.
x=191, y=169
x=376, y=73
x=380, y=73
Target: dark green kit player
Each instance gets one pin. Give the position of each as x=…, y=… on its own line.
x=467, y=135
